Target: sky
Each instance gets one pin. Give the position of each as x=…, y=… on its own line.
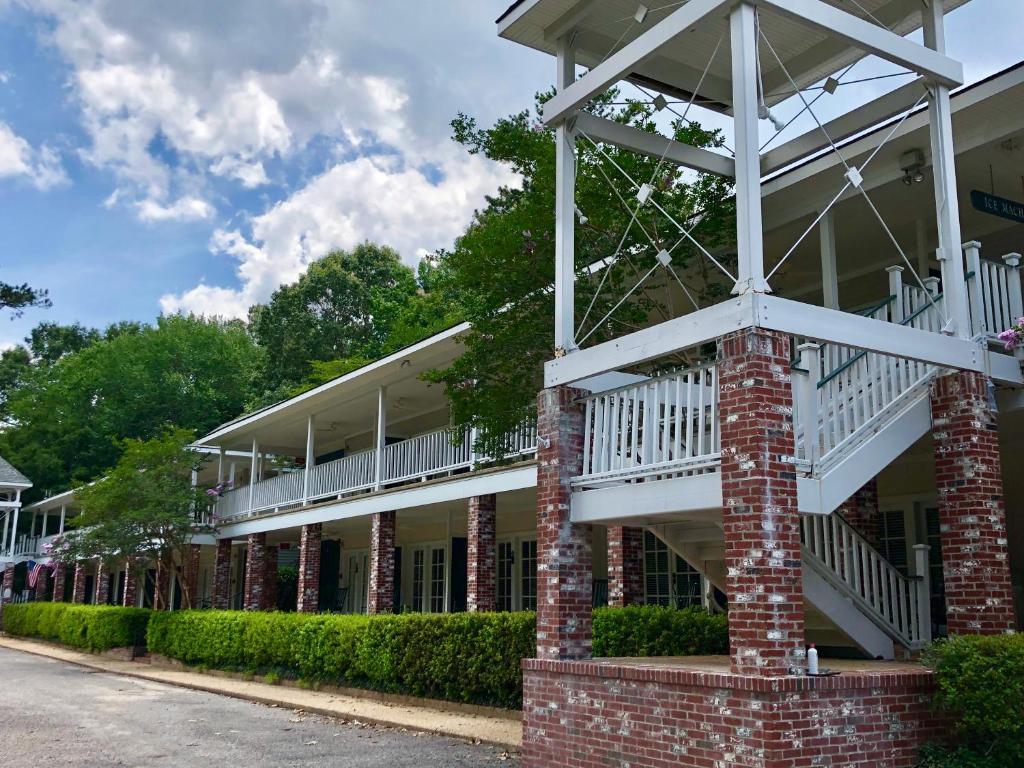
x=192, y=156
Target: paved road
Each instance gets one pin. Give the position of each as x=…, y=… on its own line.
x=57, y=714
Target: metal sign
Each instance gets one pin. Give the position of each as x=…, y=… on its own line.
x=998, y=206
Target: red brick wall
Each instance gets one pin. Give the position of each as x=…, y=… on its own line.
x=309, y=568
x=382, y=562
x=78, y=587
x=102, y=583
x=7, y=590
x=130, y=595
x=222, y=575
x=481, y=554
x=190, y=575
x=972, y=517
x=42, y=582
x=255, y=572
x=60, y=571
x=861, y=511
x=625, y=565
x=591, y=714
x=564, y=556
x=760, y=519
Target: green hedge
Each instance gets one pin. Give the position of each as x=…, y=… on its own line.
x=659, y=631
x=981, y=687
x=89, y=627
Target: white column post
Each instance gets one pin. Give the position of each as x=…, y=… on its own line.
x=749, y=243
x=7, y=522
x=310, y=456
x=220, y=465
x=829, y=275
x=14, y=532
x=810, y=361
x=943, y=167
x=924, y=593
x=565, y=207
x=253, y=473
x=46, y=519
x=231, y=474
x=63, y=517
x=380, y=437
x=896, y=293
x=32, y=529
x=1012, y=262
x=972, y=253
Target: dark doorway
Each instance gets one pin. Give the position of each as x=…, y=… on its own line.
x=459, y=576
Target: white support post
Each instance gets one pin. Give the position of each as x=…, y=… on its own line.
x=972, y=253
x=924, y=592
x=565, y=208
x=749, y=242
x=380, y=437
x=310, y=456
x=810, y=361
x=1012, y=262
x=829, y=274
x=231, y=473
x=931, y=284
x=253, y=473
x=220, y=465
x=32, y=529
x=63, y=517
x=896, y=293
x=14, y=532
x=947, y=209
x=46, y=519
x=7, y=522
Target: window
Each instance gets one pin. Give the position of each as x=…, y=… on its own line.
x=528, y=574
x=437, y=580
x=505, y=578
x=668, y=579
x=892, y=541
x=418, y=557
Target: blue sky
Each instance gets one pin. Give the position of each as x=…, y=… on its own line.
x=192, y=156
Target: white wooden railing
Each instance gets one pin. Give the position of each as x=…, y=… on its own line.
x=276, y=492
x=351, y=473
x=428, y=454
x=662, y=427
x=898, y=603
x=993, y=291
x=26, y=545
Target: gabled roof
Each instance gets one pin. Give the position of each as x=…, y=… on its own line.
x=11, y=476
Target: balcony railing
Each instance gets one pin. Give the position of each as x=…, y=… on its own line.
x=423, y=457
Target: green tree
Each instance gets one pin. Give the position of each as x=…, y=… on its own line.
x=500, y=272
x=49, y=342
x=18, y=298
x=144, y=509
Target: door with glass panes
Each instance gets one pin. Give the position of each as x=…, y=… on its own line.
x=668, y=579
x=429, y=567
x=516, y=577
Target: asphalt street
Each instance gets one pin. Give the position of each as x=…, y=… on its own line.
x=56, y=714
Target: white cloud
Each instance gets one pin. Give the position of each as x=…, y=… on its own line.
x=250, y=173
x=182, y=209
x=42, y=167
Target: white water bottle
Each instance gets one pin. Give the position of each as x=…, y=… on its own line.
x=812, y=660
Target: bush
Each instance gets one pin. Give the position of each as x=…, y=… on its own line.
x=980, y=683
x=650, y=630
x=89, y=627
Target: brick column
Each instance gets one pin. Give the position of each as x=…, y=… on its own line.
x=42, y=581
x=130, y=592
x=190, y=574
x=222, y=575
x=78, y=587
x=382, y=562
x=861, y=511
x=59, y=577
x=972, y=518
x=161, y=589
x=564, y=556
x=270, y=580
x=309, y=568
x=481, y=554
x=625, y=566
x=7, y=591
x=255, y=572
x=760, y=519
x=102, y=584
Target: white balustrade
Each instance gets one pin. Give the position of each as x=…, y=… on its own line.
x=656, y=428
x=993, y=291
x=348, y=474
x=895, y=601
x=430, y=454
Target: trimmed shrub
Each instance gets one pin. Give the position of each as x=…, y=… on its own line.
x=980, y=683
x=89, y=627
x=651, y=630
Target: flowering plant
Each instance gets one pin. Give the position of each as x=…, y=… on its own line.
x=1013, y=336
x=216, y=491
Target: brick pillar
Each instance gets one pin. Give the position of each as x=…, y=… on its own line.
x=382, y=562
x=78, y=587
x=270, y=579
x=102, y=583
x=222, y=575
x=309, y=568
x=59, y=577
x=972, y=518
x=255, y=572
x=161, y=590
x=42, y=582
x=7, y=591
x=190, y=575
x=861, y=511
x=130, y=592
x=564, y=556
x=625, y=566
x=481, y=553
x=760, y=519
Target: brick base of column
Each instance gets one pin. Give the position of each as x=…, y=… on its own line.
x=972, y=516
x=130, y=589
x=382, y=563
x=481, y=553
x=222, y=575
x=42, y=583
x=309, y=568
x=102, y=591
x=59, y=577
x=78, y=587
x=255, y=572
x=625, y=566
x=7, y=590
x=190, y=576
x=581, y=714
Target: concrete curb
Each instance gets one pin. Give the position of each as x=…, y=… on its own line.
x=501, y=732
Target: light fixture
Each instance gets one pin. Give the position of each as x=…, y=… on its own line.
x=912, y=165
